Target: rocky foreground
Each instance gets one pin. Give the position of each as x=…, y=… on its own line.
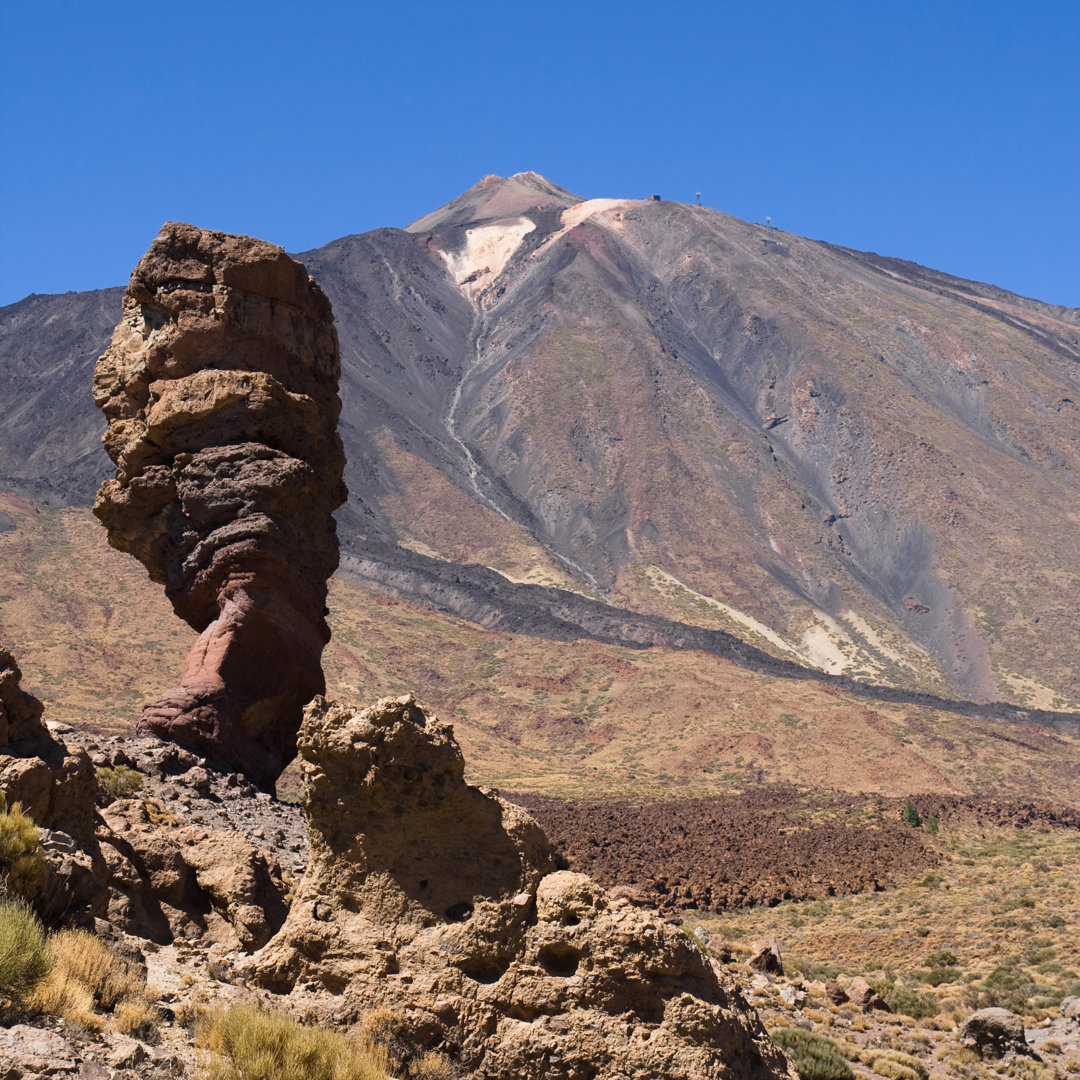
x=422, y=895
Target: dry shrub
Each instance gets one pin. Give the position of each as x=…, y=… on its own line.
x=245, y=1043
x=61, y=994
x=894, y=1070
x=24, y=955
x=89, y=980
x=432, y=1066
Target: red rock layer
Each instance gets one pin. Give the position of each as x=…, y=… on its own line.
x=220, y=387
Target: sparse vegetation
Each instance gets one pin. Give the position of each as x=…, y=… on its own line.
x=25, y=958
x=247, y=1043
x=815, y=1057
x=88, y=982
x=22, y=863
x=902, y=1000
x=120, y=781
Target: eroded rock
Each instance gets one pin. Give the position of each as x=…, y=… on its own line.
x=57, y=788
x=993, y=1033
x=440, y=902
x=220, y=387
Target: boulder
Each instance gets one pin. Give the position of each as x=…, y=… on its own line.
x=765, y=956
x=835, y=992
x=993, y=1033
x=220, y=388
x=865, y=996
x=440, y=902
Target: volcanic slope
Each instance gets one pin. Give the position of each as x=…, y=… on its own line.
x=847, y=461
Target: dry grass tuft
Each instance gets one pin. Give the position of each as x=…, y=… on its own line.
x=89, y=981
x=246, y=1043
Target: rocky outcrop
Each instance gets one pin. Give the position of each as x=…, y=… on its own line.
x=440, y=902
x=57, y=788
x=20, y=712
x=220, y=387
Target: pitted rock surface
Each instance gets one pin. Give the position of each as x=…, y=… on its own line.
x=56, y=786
x=440, y=901
x=220, y=387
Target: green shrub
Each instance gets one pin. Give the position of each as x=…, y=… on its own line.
x=1005, y=987
x=1056, y=921
x=941, y=958
x=902, y=1000
x=814, y=1056
x=937, y=976
x=910, y=815
x=22, y=862
x=120, y=782
x=246, y=1043
x=25, y=958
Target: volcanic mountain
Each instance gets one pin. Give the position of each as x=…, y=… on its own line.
x=648, y=422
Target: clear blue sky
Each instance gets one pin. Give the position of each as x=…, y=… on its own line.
x=944, y=132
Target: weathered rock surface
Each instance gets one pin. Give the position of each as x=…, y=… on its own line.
x=765, y=956
x=865, y=996
x=440, y=901
x=220, y=387
x=20, y=712
x=994, y=1033
x=57, y=788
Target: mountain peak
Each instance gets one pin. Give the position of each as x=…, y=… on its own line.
x=496, y=197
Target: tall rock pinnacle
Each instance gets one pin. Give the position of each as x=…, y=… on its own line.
x=221, y=391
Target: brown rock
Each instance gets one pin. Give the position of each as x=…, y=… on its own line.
x=57, y=788
x=438, y=901
x=220, y=387
x=765, y=956
x=994, y=1033
x=865, y=996
x=168, y=879
x=835, y=992
x=20, y=712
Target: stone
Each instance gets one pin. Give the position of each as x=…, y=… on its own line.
x=865, y=996
x=220, y=388
x=835, y=992
x=57, y=788
x=168, y=878
x=765, y=956
x=1070, y=1007
x=29, y=1053
x=441, y=903
x=20, y=712
x=993, y=1033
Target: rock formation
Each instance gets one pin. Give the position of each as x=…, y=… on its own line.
x=220, y=387
x=440, y=902
x=57, y=788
